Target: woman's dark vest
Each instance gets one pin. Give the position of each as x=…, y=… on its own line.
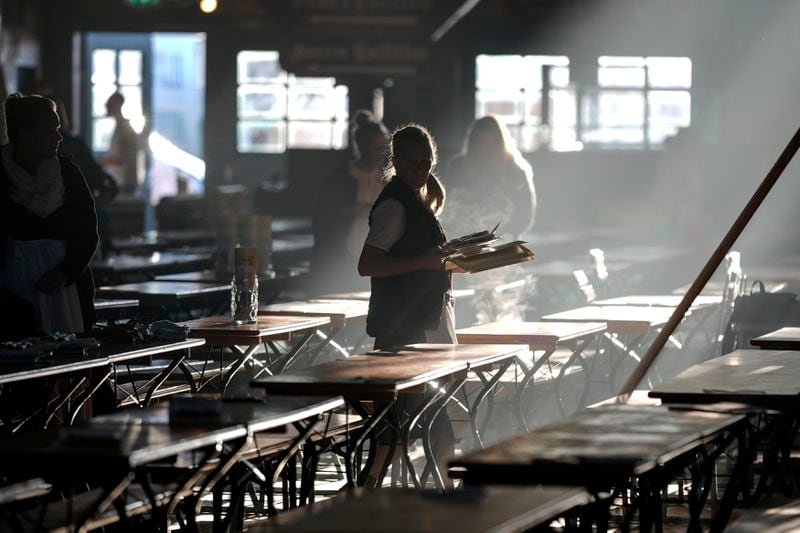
x=404, y=306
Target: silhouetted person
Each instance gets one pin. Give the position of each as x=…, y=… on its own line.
x=48, y=227
x=125, y=157
x=411, y=301
x=103, y=186
x=489, y=183
x=341, y=212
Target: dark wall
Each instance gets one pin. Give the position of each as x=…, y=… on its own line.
x=743, y=51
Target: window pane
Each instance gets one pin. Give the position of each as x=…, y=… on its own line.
x=100, y=94
x=506, y=106
x=341, y=103
x=130, y=67
x=669, y=72
x=312, y=81
x=259, y=67
x=102, y=128
x=533, y=107
x=261, y=136
x=620, y=61
x=673, y=108
x=339, y=134
x=267, y=101
x=657, y=135
x=310, y=134
x=104, y=69
x=310, y=102
x=532, y=138
x=618, y=108
x=506, y=72
x=565, y=140
x=614, y=117
x=563, y=108
x=621, y=76
x=559, y=76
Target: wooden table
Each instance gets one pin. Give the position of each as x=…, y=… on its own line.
x=111, y=309
x=627, y=328
x=340, y=312
x=382, y=375
x=602, y=448
x=80, y=376
x=244, y=339
x=156, y=241
x=496, y=509
x=111, y=448
x=781, y=339
x=542, y=337
x=661, y=300
x=764, y=378
x=126, y=268
x=159, y=298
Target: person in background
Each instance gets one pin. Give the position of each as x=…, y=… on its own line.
x=341, y=213
x=411, y=300
x=490, y=182
x=104, y=188
x=48, y=227
x=125, y=157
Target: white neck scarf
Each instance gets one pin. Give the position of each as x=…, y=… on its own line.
x=40, y=194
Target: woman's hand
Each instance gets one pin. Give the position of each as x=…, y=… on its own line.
x=433, y=259
x=51, y=280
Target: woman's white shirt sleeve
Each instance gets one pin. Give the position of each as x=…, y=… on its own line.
x=388, y=225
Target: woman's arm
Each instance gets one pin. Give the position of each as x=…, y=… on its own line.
x=376, y=263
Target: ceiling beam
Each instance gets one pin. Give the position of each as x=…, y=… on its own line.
x=453, y=19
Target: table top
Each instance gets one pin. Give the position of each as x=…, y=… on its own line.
x=259, y=413
x=107, y=304
x=161, y=240
x=619, y=318
x=364, y=295
x=537, y=335
x=154, y=292
x=220, y=330
x=129, y=262
x=496, y=509
x=660, y=300
x=133, y=438
x=339, y=311
x=780, y=339
x=597, y=447
x=121, y=353
x=767, y=378
x=106, y=355
x=382, y=374
x=209, y=276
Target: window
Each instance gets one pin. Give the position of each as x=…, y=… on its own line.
x=631, y=102
x=277, y=110
x=638, y=101
x=112, y=71
x=531, y=95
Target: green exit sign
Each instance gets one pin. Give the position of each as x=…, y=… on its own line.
x=141, y=2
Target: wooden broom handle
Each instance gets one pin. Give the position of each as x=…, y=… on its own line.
x=712, y=264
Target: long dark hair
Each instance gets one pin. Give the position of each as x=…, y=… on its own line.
x=433, y=193
x=503, y=146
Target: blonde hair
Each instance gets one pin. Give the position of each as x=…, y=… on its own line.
x=433, y=193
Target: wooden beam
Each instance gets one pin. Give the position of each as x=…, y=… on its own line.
x=453, y=19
